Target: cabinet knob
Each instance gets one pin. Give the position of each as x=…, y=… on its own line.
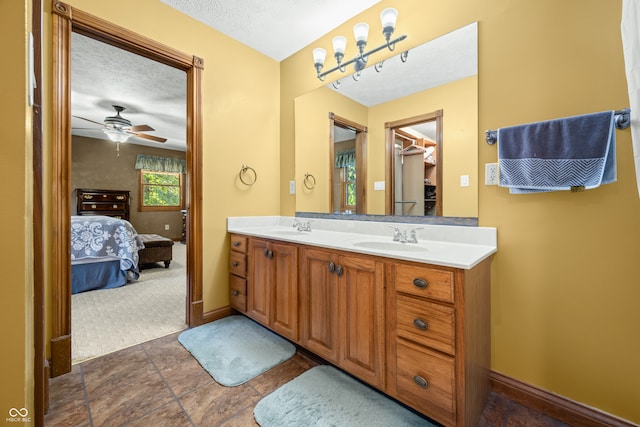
x=236, y=243
x=332, y=267
x=420, y=381
x=339, y=270
x=420, y=324
x=234, y=263
x=420, y=283
x=235, y=293
x=268, y=253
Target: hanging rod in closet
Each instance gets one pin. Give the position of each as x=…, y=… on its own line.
x=622, y=119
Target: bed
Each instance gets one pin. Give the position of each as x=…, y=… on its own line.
x=104, y=253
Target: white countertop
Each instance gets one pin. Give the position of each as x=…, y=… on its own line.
x=445, y=245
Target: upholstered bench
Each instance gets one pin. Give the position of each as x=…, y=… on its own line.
x=156, y=249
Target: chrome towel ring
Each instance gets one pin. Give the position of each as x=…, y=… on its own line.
x=309, y=181
x=245, y=173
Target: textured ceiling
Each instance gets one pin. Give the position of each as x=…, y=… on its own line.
x=152, y=93
x=277, y=28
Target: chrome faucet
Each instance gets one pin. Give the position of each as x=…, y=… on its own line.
x=401, y=236
x=413, y=238
x=302, y=225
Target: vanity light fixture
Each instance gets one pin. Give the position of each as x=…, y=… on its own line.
x=388, y=18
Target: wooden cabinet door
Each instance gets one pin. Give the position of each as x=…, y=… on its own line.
x=284, y=290
x=319, y=303
x=259, y=281
x=361, y=299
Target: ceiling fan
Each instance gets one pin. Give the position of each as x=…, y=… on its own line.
x=119, y=129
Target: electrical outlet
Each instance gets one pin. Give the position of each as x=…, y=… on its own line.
x=166, y=226
x=491, y=174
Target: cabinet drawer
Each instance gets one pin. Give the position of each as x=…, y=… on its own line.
x=425, y=282
x=238, y=243
x=238, y=293
x=103, y=206
x=425, y=380
x=426, y=323
x=238, y=264
x=103, y=197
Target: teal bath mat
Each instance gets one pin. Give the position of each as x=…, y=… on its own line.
x=324, y=396
x=235, y=349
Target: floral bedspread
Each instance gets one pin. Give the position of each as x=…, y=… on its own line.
x=102, y=236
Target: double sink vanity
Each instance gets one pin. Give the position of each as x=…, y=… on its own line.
x=403, y=307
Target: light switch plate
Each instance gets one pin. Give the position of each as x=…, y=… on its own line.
x=292, y=187
x=464, y=180
x=378, y=185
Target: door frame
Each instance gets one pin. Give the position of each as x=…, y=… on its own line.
x=65, y=20
x=361, y=160
x=390, y=128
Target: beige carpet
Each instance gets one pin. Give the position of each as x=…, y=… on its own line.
x=104, y=321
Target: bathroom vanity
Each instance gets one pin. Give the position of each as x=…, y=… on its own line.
x=410, y=319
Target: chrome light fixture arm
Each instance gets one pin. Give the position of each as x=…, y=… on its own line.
x=365, y=56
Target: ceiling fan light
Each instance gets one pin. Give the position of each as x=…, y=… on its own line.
x=116, y=135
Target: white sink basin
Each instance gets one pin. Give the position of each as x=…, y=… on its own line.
x=391, y=246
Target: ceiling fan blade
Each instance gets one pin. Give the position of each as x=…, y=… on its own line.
x=85, y=129
x=149, y=137
x=98, y=123
x=141, y=128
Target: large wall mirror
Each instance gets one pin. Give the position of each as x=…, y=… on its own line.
x=439, y=79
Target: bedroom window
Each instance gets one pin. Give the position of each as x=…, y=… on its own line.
x=160, y=191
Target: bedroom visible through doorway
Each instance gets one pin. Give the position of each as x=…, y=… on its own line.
x=142, y=102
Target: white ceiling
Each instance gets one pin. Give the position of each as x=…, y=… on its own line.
x=155, y=94
x=277, y=28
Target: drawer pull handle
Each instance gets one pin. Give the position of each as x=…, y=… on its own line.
x=420, y=283
x=339, y=270
x=236, y=244
x=420, y=381
x=235, y=264
x=332, y=267
x=420, y=324
x=268, y=253
x=236, y=293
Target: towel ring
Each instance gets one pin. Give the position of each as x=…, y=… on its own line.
x=309, y=181
x=244, y=171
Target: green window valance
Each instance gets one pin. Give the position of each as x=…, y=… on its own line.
x=161, y=164
x=345, y=158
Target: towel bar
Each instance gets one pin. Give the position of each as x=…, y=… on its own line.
x=622, y=120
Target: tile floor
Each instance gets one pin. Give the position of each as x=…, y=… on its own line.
x=159, y=383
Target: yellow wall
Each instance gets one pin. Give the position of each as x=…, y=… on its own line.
x=16, y=304
x=564, y=282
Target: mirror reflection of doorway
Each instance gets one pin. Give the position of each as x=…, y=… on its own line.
x=414, y=166
x=348, y=142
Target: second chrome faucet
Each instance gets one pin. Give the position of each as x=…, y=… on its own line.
x=401, y=236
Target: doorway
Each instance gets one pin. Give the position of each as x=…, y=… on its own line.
x=65, y=21
x=348, y=166
x=414, y=164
